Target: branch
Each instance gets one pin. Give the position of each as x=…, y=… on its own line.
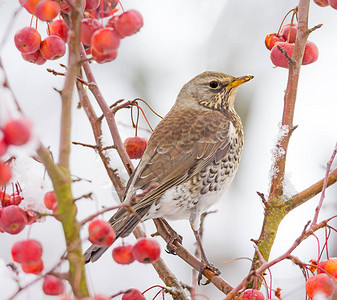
x=192, y=260
x=108, y=114
x=96, y=126
x=59, y=174
x=287, y=255
x=278, y=168
x=328, y=168
x=312, y=191
x=70, y=77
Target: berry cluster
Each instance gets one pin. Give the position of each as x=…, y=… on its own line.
x=145, y=250
x=285, y=39
x=325, y=281
x=324, y=3
x=101, y=41
x=28, y=253
x=13, y=219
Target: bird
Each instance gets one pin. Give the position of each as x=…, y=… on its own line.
x=190, y=160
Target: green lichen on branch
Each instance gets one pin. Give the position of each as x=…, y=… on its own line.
x=59, y=173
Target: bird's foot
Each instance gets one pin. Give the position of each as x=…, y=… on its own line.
x=209, y=266
x=174, y=237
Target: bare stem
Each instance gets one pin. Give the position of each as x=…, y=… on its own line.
x=325, y=184
x=108, y=114
x=96, y=126
x=276, y=188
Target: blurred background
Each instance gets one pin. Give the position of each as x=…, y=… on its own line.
x=179, y=40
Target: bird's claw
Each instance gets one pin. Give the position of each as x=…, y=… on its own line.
x=209, y=266
x=174, y=237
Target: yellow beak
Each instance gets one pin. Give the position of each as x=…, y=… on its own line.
x=240, y=80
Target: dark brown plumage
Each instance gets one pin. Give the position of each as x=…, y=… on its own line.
x=191, y=157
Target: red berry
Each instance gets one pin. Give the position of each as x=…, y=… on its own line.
x=135, y=146
x=53, y=285
x=89, y=26
x=3, y=147
x=13, y=219
x=35, y=57
x=129, y=23
x=27, y=40
x=101, y=233
x=52, y=47
x=272, y=39
x=333, y=3
x=321, y=3
x=49, y=199
x=47, y=10
x=329, y=266
x=35, y=267
x=105, y=40
x=4, y=198
x=133, y=294
x=252, y=294
x=91, y=5
x=310, y=53
x=15, y=199
x=17, y=132
x=278, y=58
x=289, y=32
x=59, y=28
x=26, y=251
x=123, y=254
x=29, y=5
x=321, y=283
x=5, y=173
x=103, y=58
x=146, y=250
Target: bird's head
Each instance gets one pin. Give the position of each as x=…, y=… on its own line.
x=213, y=90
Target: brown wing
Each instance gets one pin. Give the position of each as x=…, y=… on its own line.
x=173, y=156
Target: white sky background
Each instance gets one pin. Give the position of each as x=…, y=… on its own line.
x=179, y=40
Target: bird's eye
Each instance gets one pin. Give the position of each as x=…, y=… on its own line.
x=213, y=84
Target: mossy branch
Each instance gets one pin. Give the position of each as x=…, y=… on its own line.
x=59, y=173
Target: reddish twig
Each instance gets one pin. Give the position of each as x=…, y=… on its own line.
x=287, y=255
x=217, y=281
x=325, y=184
x=38, y=278
x=96, y=126
x=109, y=116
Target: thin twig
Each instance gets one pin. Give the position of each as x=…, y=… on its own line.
x=51, y=271
x=305, y=234
x=325, y=184
x=96, y=126
x=109, y=116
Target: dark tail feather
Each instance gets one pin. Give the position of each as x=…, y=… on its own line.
x=94, y=252
x=122, y=226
